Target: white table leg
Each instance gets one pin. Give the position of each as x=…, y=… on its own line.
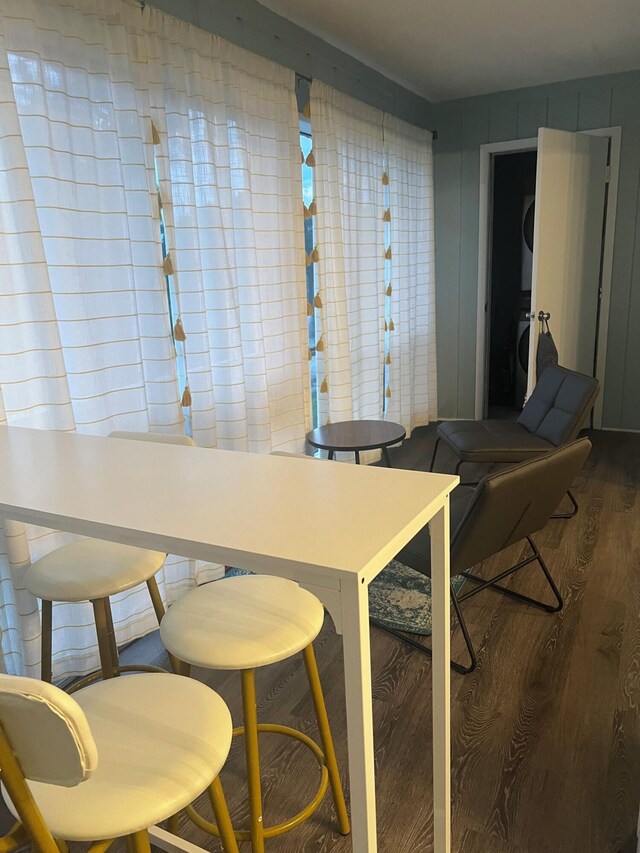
x=441, y=679
x=357, y=677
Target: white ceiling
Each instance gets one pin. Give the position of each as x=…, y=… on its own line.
x=445, y=49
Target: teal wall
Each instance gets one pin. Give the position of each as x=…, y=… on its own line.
x=463, y=126
x=256, y=28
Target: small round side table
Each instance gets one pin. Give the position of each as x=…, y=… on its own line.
x=356, y=436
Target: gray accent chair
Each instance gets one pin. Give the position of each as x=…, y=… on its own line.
x=503, y=509
x=553, y=416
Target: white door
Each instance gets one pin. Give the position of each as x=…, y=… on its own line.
x=571, y=176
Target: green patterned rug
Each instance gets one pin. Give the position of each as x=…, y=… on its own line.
x=399, y=598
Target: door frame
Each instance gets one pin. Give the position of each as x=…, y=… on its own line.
x=487, y=153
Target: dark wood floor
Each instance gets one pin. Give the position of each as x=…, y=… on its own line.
x=546, y=732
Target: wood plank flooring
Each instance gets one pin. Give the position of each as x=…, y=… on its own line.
x=545, y=733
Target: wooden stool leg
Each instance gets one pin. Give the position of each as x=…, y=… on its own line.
x=102, y=631
x=46, y=641
x=326, y=739
x=158, y=606
x=250, y=719
x=223, y=821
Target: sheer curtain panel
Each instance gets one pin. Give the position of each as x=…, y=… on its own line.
x=374, y=263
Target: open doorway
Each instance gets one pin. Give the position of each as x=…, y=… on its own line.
x=499, y=378
x=513, y=191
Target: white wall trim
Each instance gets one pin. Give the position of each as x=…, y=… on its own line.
x=487, y=152
x=484, y=242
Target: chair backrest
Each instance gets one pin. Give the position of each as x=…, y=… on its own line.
x=165, y=438
x=559, y=404
x=47, y=731
x=515, y=503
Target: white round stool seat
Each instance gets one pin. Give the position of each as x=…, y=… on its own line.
x=89, y=569
x=161, y=739
x=242, y=622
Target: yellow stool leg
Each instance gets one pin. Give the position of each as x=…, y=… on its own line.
x=140, y=842
x=46, y=640
x=104, y=642
x=223, y=821
x=22, y=799
x=250, y=717
x=158, y=606
x=326, y=739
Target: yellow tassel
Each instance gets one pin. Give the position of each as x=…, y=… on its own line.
x=306, y=112
x=313, y=209
x=155, y=136
x=385, y=326
x=307, y=260
x=388, y=358
x=391, y=326
x=385, y=179
x=186, y=398
x=388, y=394
x=309, y=309
x=167, y=265
x=310, y=354
x=315, y=255
x=324, y=387
x=387, y=216
x=307, y=212
x=389, y=289
x=317, y=301
x=311, y=160
x=320, y=346
x=387, y=254
x=178, y=331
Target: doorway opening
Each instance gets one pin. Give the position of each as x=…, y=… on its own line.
x=513, y=192
x=500, y=358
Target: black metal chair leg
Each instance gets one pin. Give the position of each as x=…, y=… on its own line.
x=425, y=650
x=433, y=455
x=573, y=512
x=518, y=596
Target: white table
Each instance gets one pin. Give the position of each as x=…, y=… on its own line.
x=331, y=527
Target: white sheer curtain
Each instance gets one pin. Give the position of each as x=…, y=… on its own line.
x=374, y=268
x=229, y=163
x=350, y=270
x=411, y=372
x=85, y=333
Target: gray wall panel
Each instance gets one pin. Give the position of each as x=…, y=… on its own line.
x=462, y=127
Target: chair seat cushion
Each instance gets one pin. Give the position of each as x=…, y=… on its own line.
x=492, y=441
x=161, y=741
x=242, y=622
x=90, y=569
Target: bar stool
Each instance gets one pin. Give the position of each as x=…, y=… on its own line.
x=94, y=570
x=111, y=762
x=243, y=623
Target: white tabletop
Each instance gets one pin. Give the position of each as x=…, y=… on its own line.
x=242, y=509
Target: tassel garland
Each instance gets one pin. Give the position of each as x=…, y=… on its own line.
x=391, y=326
x=385, y=179
x=315, y=255
x=155, y=136
x=317, y=301
x=309, y=309
x=178, y=331
x=167, y=265
x=387, y=254
x=186, y=398
x=388, y=394
x=325, y=386
x=388, y=358
x=311, y=160
x=313, y=208
x=387, y=216
x=389, y=289
x=320, y=346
